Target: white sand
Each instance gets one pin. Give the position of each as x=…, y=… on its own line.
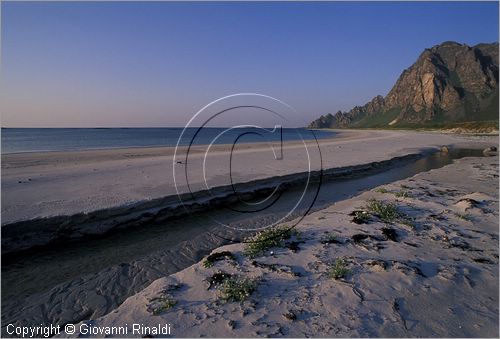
x=440, y=278
x=65, y=183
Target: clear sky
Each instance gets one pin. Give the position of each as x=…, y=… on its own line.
x=155, y=64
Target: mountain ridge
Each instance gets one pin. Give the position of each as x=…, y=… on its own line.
x=449, y=83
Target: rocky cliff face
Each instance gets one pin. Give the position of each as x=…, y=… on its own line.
x=450, y=82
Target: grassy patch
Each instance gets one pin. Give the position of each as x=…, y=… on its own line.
x=360, y=217
x=161, y=305
x=237, y=289
x=208, y=264
x=217, y=279
x=403, y=194
x=339, y=269
x=387, y=212
x=382, y=190
x=269, y=238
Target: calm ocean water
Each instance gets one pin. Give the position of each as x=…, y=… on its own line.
x=17, y=140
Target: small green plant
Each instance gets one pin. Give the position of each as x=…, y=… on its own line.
x=212, y=258
x=161, y=305
x=217, y=279
x=330, y=238
x=360, y=217
x=339, y=269
x=387, y=212
x=237, y=289
x=403, y=194
x=382, y=190
x=264, y=240
x=208, y=264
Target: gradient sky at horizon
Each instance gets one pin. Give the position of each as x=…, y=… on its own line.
x=69, y=64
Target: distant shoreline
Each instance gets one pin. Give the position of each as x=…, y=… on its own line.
x=40, y=140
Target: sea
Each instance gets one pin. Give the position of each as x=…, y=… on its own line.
x=21, y=140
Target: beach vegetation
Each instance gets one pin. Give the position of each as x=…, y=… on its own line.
x=382, y=190
x=161, y=305
x=387, y=212
x=237, y=289
x=217, y=279
x=269, y=238
x=404, y=193
x=339, y=269
x=212, y=258
x=360, y=217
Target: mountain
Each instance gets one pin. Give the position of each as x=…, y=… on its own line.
x=449, y=83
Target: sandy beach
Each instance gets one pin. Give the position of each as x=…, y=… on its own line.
x=430, y=270
x=76, y=290
x=249, y=169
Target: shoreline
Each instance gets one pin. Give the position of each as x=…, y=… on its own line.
x=167, y=150
x=336, y=133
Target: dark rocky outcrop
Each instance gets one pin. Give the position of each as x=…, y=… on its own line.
x=449, y=83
